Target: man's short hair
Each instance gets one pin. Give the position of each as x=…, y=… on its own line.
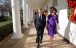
x=40, y=8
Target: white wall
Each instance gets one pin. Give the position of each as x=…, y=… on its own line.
x=63, y=20
x=49, y=4
x=67, y=28
x=62, y=4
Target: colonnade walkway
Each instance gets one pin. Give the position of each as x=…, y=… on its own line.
x=28, y=40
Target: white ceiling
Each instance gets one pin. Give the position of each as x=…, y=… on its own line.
x=36, y=4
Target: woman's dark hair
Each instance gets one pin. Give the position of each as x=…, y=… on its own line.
x=54, y=9
x=44, y=11
x=40, y=8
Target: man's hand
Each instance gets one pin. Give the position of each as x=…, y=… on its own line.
x=46, y=26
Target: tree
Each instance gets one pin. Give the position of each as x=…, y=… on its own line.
x=7, y=6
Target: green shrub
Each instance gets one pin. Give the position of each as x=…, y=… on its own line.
x=5, y=18
x=69, y=12
x=2, y=18
x=8, y=18
x=5, y=29
x=21, y=21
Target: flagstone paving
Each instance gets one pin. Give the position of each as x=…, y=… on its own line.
x=28, y=41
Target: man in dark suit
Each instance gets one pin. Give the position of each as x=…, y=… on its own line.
x=40, y=23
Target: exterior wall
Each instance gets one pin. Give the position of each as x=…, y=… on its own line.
x=63, y=20
x=48, y=5
x=62, y=4
x=67, y=28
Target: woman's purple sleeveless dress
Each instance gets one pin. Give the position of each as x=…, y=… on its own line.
x=52, y=27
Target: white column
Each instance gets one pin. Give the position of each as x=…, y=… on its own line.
x=29, y=14
x=32, y=13
x=25, y=25
x=16, y=19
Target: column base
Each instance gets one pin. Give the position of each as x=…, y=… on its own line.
x=29, y=22
x=25, y=26
x=17, y=36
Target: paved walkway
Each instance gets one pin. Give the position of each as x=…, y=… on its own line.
x=28, y=41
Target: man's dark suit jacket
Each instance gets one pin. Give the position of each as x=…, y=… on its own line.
x=39, y=22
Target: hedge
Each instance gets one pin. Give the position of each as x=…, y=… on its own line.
x=5, y=29
x=5, y=18
x=21, y=20
x=8, y=18
x=2, y=18
x=6, y=26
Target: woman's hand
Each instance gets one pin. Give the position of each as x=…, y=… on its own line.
x=58, y=27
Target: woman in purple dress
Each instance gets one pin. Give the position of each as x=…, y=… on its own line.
x=52, y=24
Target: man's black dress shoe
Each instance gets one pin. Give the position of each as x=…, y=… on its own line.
x=38, y=46
x=40, y=41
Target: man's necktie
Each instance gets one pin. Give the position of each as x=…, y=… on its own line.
x=41, y=17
